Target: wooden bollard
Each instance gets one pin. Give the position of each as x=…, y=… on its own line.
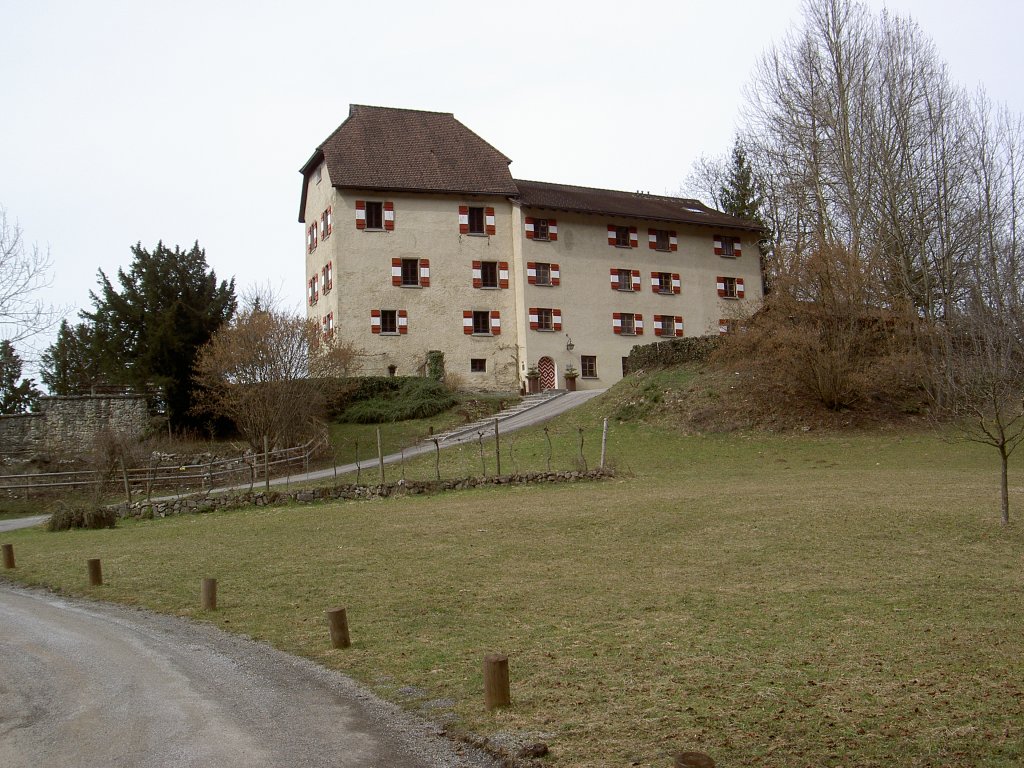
x=496, y=687
x=95, y=572
x=8, y=555
x=209, y=595
x=694, y=760
x=337, y=623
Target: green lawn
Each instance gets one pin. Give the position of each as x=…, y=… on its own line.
x=811, y=600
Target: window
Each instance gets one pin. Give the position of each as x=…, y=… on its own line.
x=481, y=322
x=545, y=319
x=541, y=229
x=588, y=366
x=664, y=282
x=311, y=237
x=622, y=237
x=328, y=324
x=389, y=321
x=318, y=174
x=312, y=292
x=726, y=326
x=326, y=225
x=542, y=273
x=727, y=246
x=627, y=324
x=410, y=272
x=668, y=325
x=488, y=273
x=486, y=322
x=478, y=365
x=625, y=279
x=476, y=220
x=327, y=276
x=374, y=216
x=730, y=287
x=662, y=240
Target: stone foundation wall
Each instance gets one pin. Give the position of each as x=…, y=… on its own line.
x=206, y=503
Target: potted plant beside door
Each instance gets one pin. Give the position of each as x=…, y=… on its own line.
x=533, y=380
x=570, y=377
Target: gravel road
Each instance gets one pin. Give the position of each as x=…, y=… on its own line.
x=86, y=684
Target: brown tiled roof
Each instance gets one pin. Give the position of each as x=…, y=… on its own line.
x=609, y=202
x=406, y=150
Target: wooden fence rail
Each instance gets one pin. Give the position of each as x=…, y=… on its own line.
x=242, y=469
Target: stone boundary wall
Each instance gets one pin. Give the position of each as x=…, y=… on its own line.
x=22, y=433
x=200, y=503
x=71, y=424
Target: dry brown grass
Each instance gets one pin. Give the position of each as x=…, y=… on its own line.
x=773, y=601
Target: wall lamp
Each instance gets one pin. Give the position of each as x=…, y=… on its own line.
x=568, y=344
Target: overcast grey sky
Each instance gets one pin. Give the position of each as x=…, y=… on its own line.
x=137, y=121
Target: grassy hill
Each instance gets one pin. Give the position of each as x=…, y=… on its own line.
x=773, y=599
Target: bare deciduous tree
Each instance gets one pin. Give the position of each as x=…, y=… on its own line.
x=24, y=273
x=983, y=386
x=267, y=370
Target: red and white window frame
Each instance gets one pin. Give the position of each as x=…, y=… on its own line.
x=652, y=239
x=531, y=225
x=616, y=283
x=535, y=315
x=677, y=326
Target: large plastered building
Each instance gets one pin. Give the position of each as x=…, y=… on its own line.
x=418, y=239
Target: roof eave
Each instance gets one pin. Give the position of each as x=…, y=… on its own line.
x=315, y=159
x=632, y=215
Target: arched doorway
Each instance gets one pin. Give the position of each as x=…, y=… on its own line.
x=546, y=367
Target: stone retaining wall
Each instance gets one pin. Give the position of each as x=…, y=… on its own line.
x=71, y=425
x=22, y=433
x=209, y=503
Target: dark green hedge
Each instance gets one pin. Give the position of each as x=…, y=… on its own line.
x=381, y=399
x=691, y=349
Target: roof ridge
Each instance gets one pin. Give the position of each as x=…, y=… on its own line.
x=353, y=107
x=646, y=195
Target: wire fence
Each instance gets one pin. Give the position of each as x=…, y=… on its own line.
x=483, y=451
x=249, y=468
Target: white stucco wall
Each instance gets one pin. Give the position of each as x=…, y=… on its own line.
x=427, y=226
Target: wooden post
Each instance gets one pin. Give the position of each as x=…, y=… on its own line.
x=127, y=485
x=496, y=687
x=95, y=572
x=8, y=555
x=380, y=456
x=483, y=461
x=337, y=624
x=497, y=448
x=437, y=457
x=604, y=440
x=266, y=462
x=208, y=595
